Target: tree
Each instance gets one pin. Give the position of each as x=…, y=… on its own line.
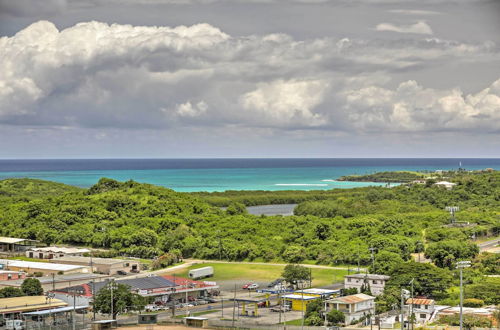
x=32, y=287
x=385, y=261
x=335, y=317
x=294, y=253
x=236, y=208
x=120, y=297
x=294, y=273
x=446, y=253
x=9, y=292
x=349, y=291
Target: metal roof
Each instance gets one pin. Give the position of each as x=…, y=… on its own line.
x=420, y=301
x=56, y=310
x=29, y=303
x=95, y=261
x=352, y=299
x=298, y=297
x=12, y=240
x=56, y=249
x=39, y=265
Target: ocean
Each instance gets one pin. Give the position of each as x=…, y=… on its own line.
x=188, y=175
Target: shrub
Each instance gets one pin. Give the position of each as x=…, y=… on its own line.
x=473, y=302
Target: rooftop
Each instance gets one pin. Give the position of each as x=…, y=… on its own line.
x=298, y=297
x=369, y=276
x=355, y=298
x=420, y=301
x=57, y=278
x=12, y=240
x=56, y=249
x=30, y=303
x=26, y=265
x=56, y=310
x=86, y=260
x=317, y=291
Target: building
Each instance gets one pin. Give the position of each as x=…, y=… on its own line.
x=445, y=184
x=54, y=252
x=44, y=268
x=376, y=282
x=57, y=281
x=298, y=302
x=162, y=288
x=12, y=245
x=10, y=275
x=354, y=307
x=107, y=266
x=422, y=308
x=12, y=308
x=320, y=293
x=486, y=312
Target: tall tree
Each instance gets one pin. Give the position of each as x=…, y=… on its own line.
x=32, y=287
x=117, y=298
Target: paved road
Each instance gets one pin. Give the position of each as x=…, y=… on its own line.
x=489, y=244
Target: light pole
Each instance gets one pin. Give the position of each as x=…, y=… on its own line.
x=461, y=265
x=452, y=210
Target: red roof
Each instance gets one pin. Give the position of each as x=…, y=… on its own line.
x=420, y=301
x=180, y=281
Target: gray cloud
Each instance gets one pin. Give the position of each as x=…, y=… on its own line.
x=97, y=75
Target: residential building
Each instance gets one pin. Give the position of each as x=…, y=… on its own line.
x=44, y=268
x=354, y=306
x=11, y=308
x=51, y=252
x=107, y=266
x=375, y=281
x=486, y=312
x=445, y=184
x=422, y=308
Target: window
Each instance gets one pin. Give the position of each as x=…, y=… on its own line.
x=422, y=316
x=127, y=264
x=374, y=282
x=417, y=306
x=348, y=279
x=426, y=307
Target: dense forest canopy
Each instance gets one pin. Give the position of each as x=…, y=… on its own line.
x=337, y=226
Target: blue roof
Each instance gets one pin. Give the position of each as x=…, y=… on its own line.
x=55, y=310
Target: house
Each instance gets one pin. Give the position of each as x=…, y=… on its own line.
x=107, y=266
x=422, y=308
x=44, y=268
x=486, y=312
x=51, y=252
x=11, y=308
x=354, y=306
x=445, y=184
x=375, y=281
x=15, y=245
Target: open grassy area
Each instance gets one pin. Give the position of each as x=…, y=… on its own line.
x=23, y=258
x=263, y=273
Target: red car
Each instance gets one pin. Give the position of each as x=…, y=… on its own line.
x=250, y=286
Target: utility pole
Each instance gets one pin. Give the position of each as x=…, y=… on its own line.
x=326, y=320
x=461, y=265
x=372, y=250
x=234, y=304
x=302, y=308
x=74, y=309
x=112, y=302
x=93, y=286
x=402, y=310
x=411, y=304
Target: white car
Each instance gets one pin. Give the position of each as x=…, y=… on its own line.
x=252, y=286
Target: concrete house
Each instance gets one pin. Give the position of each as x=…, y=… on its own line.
x=376, y=282
x=108, y=266
x=13, y=245
x=44, y=268
x=422, y=308
x=52, y=252
x=354, y=307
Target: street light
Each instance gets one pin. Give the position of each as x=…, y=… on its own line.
x=452, y=210
x=461, y=265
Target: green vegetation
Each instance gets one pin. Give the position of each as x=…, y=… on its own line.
x=262, y=273
x=29, y=287
x=399, y=176
x=117, y=298
x=330, y=227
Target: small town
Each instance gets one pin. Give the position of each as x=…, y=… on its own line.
x=67, y=288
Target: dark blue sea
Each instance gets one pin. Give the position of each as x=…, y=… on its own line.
x=229, y=174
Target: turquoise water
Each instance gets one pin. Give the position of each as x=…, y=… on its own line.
x=232, y=174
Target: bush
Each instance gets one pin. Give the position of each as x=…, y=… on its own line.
x=473, y=302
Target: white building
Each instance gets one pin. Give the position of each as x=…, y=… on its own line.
x=375, y=281
x=52, y=252
x=422, y=308
x=445, y=184
x=354, y=307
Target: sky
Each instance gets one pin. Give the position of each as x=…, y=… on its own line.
x=249, y=78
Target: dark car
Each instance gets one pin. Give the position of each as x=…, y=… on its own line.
x=121, y=272
x=275, y=282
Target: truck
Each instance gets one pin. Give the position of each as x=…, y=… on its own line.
x=201, y=272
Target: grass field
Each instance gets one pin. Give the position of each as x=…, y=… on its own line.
x=263, y=273
x=28, y=259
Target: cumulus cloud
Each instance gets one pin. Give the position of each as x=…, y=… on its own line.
x=419, y=27
x=123, y=76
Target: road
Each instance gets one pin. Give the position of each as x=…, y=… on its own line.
x=485, y=246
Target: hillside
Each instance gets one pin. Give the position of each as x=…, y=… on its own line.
x=34, y=188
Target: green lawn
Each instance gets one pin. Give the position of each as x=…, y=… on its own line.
x=28, y=259
x=294, y=322
x=263, y=273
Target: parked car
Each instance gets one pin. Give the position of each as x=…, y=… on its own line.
x=261, y=304
x=250, y=286
x=121, y=272
x=210, y=299
x=275, y=282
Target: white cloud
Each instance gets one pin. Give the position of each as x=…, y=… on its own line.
x=419, y=27
x=188, y=110
x=288, y=102
x=418, y=12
